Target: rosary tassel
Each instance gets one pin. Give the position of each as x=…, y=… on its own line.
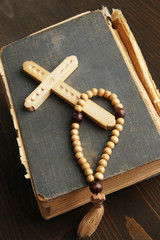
x=91, y=220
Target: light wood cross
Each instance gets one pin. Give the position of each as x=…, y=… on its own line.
x=54, y=82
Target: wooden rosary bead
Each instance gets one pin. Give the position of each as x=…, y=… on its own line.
x=95, y=187
x=89, y=93
x=75, y=126
x=74, y=132
x=100, y=169
x=81, y=102
x=78, y=155
x=115, y=132
x=101, y=92
x=88, y=171
x=77, y=117
x=120, y=121
x=102, y=163
x=94, y=180
x=85, y=166
x=90, y=178
x=82, y=160
x=76, y=143
x=119, y=105
x=105, y=156
x=114, y=139
x=115, y=101
x=107, y=150
x=84, y=96
x=119, y=127
x=119, y=113
x=75, y=137
x=98, y=176
x=110, y=144
x=95, y=91
x=78, y=108
x=107, y=94
x=78, y=149
x=113, y=95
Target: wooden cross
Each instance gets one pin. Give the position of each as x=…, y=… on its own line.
x=54, y=82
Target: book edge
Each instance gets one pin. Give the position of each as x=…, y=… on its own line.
x=151, y=109
x=5, y=85
x=44, y=29
x=77, y=198
x=129, y=41
x=144, y=82
x=59, y=23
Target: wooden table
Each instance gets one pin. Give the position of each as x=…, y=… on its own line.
x=132, y=213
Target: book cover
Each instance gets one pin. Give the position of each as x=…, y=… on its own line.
x=53, y=170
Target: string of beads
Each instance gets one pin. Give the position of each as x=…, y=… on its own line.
x=94, y=179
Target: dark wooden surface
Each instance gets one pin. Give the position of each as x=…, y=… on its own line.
x=132, y=213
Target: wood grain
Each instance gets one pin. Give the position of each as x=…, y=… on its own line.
x=135, y=230
x=19, y=215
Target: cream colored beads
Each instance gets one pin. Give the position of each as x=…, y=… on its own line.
x=107, y=150
x=89, y=93
x=74, y=137
x=85, y=166
x=95, y=91
x=84, y=96
x=82, y=161
x=78, y=152
x=112, y=96
x=107, y=94
x=110, y=144
x=88, y=171
x=102, y=163
x=101, y=92
x=114, y=139
x=105, y=157
x=118, y=127
x=78, y=108
x=81, y=102
x=78, y=155
x=76, y=143
x=100, y=169
x=115, y=132
x=119, y=105
x=90, y=178
x=75, y=126
x=120, y=121
x=115, y=101
x=74, y=132
x=77, y=149
x=99, y=176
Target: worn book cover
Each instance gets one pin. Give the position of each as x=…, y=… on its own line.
x=44, y=134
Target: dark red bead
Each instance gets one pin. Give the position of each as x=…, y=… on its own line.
x=95, y=187
x=77, y=117
x=119, y=113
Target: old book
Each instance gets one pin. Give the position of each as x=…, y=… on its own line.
x=108, y=58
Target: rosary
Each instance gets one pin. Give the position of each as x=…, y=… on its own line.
x=54, y=82
x=91, y=221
